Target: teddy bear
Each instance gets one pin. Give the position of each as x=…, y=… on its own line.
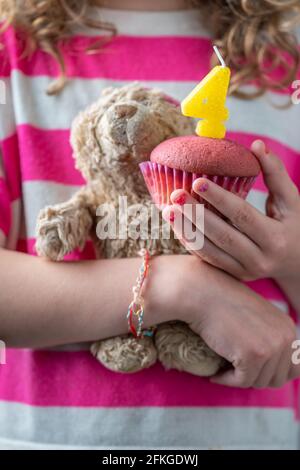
x=109, y=139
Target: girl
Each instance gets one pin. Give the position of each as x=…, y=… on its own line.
x=56, y=56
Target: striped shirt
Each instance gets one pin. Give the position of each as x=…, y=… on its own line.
x=62, y=398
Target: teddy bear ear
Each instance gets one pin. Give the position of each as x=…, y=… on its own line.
x=107, y=91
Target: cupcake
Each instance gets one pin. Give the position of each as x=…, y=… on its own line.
x=176, y=163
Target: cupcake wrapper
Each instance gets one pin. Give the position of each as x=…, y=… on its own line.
x=161, y=181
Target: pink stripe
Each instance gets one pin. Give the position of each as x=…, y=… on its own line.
x=76, y=379
x=40, y=159
x=88, y=252
x=5, y=208
x=297, y=398
x=267, y=288
x=123, y=58
x=126, y=58
x=47, y=156
x=289, y=157
x=11, y=161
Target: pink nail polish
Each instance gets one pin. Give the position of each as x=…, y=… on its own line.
x=172, y=216
x=180, y=200
x=267, y=150
x=202, y=187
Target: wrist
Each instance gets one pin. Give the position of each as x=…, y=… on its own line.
x=157, y=292
x=174, y=288
x=164, y=288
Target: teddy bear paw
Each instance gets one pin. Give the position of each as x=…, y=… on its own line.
x=125, y=353
x=180, y=348
x=50, y=241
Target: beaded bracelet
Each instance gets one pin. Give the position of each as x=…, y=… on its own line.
x=135, y=313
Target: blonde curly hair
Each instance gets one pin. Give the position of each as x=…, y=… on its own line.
x=250, y=34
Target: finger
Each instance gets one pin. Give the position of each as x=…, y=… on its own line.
x=294, y=371
x=281, y=374
x=235, y=378
x=219, y=232
x=218, y=258
x=245, y=217
x=201, y=246
x=268, y=372
x=275, y=175
x=184, y=229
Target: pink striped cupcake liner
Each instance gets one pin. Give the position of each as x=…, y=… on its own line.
x=162, y=180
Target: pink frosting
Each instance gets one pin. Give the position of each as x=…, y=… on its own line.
x=205, y=155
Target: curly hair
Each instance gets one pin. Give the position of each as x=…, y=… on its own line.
x=254, y=36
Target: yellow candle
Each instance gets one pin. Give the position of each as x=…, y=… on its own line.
x=207, y=102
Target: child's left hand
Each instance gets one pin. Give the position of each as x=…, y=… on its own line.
x=256, y=245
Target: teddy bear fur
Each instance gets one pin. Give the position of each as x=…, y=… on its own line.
x=109, y=139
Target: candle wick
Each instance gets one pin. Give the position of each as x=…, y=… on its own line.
x=218, y=54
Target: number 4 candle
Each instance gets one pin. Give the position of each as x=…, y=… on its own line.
x=207, y=101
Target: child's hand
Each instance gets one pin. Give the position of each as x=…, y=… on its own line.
x=256, y=245
x=241, y=326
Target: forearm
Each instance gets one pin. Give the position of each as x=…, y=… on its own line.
x=44, y=303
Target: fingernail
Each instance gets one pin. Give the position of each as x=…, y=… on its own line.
x=202, y=187
x=180, y=199
x=265, y=147
x=171, y=216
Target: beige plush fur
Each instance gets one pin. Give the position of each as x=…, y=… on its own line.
x=109, y=139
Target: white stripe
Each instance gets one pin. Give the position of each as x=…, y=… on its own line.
x=258, y=199
x=7, y=122
x=146, y=428
x=150, y=23
x=263, y=116
x=281, y=305
x=39, y=194
x=34, y=106
x=31, y=101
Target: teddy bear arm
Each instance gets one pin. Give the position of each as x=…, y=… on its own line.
x=61, y=228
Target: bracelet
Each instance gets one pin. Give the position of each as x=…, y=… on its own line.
x=135, y=313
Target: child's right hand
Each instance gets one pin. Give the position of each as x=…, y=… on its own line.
x=248, y=245
x=250, y=332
